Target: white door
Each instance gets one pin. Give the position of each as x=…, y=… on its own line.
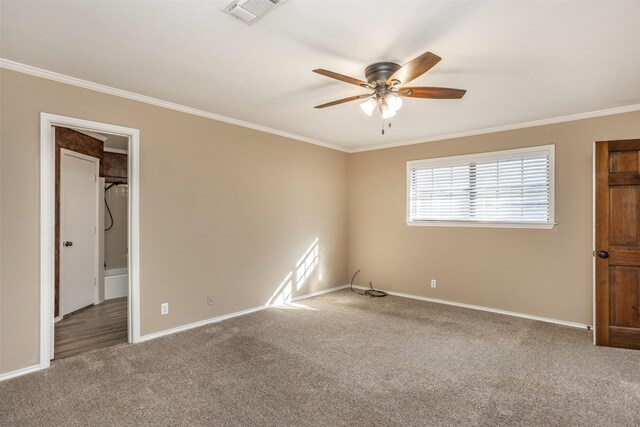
x=78, y=230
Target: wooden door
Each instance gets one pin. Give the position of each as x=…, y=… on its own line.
x=618, y=243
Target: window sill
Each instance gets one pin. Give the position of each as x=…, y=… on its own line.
x=469, y=224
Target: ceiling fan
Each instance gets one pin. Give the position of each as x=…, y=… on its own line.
x=386, y=80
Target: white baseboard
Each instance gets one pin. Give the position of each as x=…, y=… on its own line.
x=315, y=294
x=148, y=337
x=188, y=326
x=154, y=335
x=481, y=308
x=230, y=316
x=19, y=372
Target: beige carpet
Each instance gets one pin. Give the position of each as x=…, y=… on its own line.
x=346, y=360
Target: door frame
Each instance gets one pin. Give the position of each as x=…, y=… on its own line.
x=47, y=225
x=96, y=254
x=593, y=243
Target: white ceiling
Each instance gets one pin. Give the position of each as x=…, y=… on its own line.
x=519, y=61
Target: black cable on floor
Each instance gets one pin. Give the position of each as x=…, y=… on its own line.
x=371, y=293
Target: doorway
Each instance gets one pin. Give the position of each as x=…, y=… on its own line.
x=617, y=243
x=91, y=269
x=75, y=184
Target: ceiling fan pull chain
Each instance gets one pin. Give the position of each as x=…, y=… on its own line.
x=388, y=125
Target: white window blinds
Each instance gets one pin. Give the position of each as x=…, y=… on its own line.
x=506, y=187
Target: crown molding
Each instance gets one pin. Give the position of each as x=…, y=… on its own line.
x=73, y=81
x=496, y=129
x=50, y=75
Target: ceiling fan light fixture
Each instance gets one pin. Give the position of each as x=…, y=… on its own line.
x=368, y=106
x=386, y=80
x=388, y=113
x=394, y=102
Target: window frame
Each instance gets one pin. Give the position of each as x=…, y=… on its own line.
x=466, y=159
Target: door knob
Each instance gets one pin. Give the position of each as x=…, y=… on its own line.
x=603, y=254
x=67, y=244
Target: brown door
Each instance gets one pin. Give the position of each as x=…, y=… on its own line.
x=618, y=243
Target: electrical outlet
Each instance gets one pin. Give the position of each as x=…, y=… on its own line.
x=433, y=283
x=210, y=300
x=164, y=308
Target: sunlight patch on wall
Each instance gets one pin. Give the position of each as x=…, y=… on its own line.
x=282, y=294
x=304, y=269
x=307, y=264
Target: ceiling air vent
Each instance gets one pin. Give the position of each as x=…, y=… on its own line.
x=250, y=11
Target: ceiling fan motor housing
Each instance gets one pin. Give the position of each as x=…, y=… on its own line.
x=378, y=73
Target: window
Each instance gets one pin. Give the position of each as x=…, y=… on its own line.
x=511, y=188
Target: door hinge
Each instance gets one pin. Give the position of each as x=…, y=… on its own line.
x=95, y=229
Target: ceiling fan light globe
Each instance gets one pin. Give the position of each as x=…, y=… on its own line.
x=388, y=113
x=394, y=102
x=368, y=106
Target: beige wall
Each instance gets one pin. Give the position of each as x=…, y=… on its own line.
x=228, y=211
x=539, y=272
x=224, y=210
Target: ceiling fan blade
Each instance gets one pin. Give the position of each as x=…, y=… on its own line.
x=414, y=68
x=343, y=100
x=431, y=92
x=342, y=78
